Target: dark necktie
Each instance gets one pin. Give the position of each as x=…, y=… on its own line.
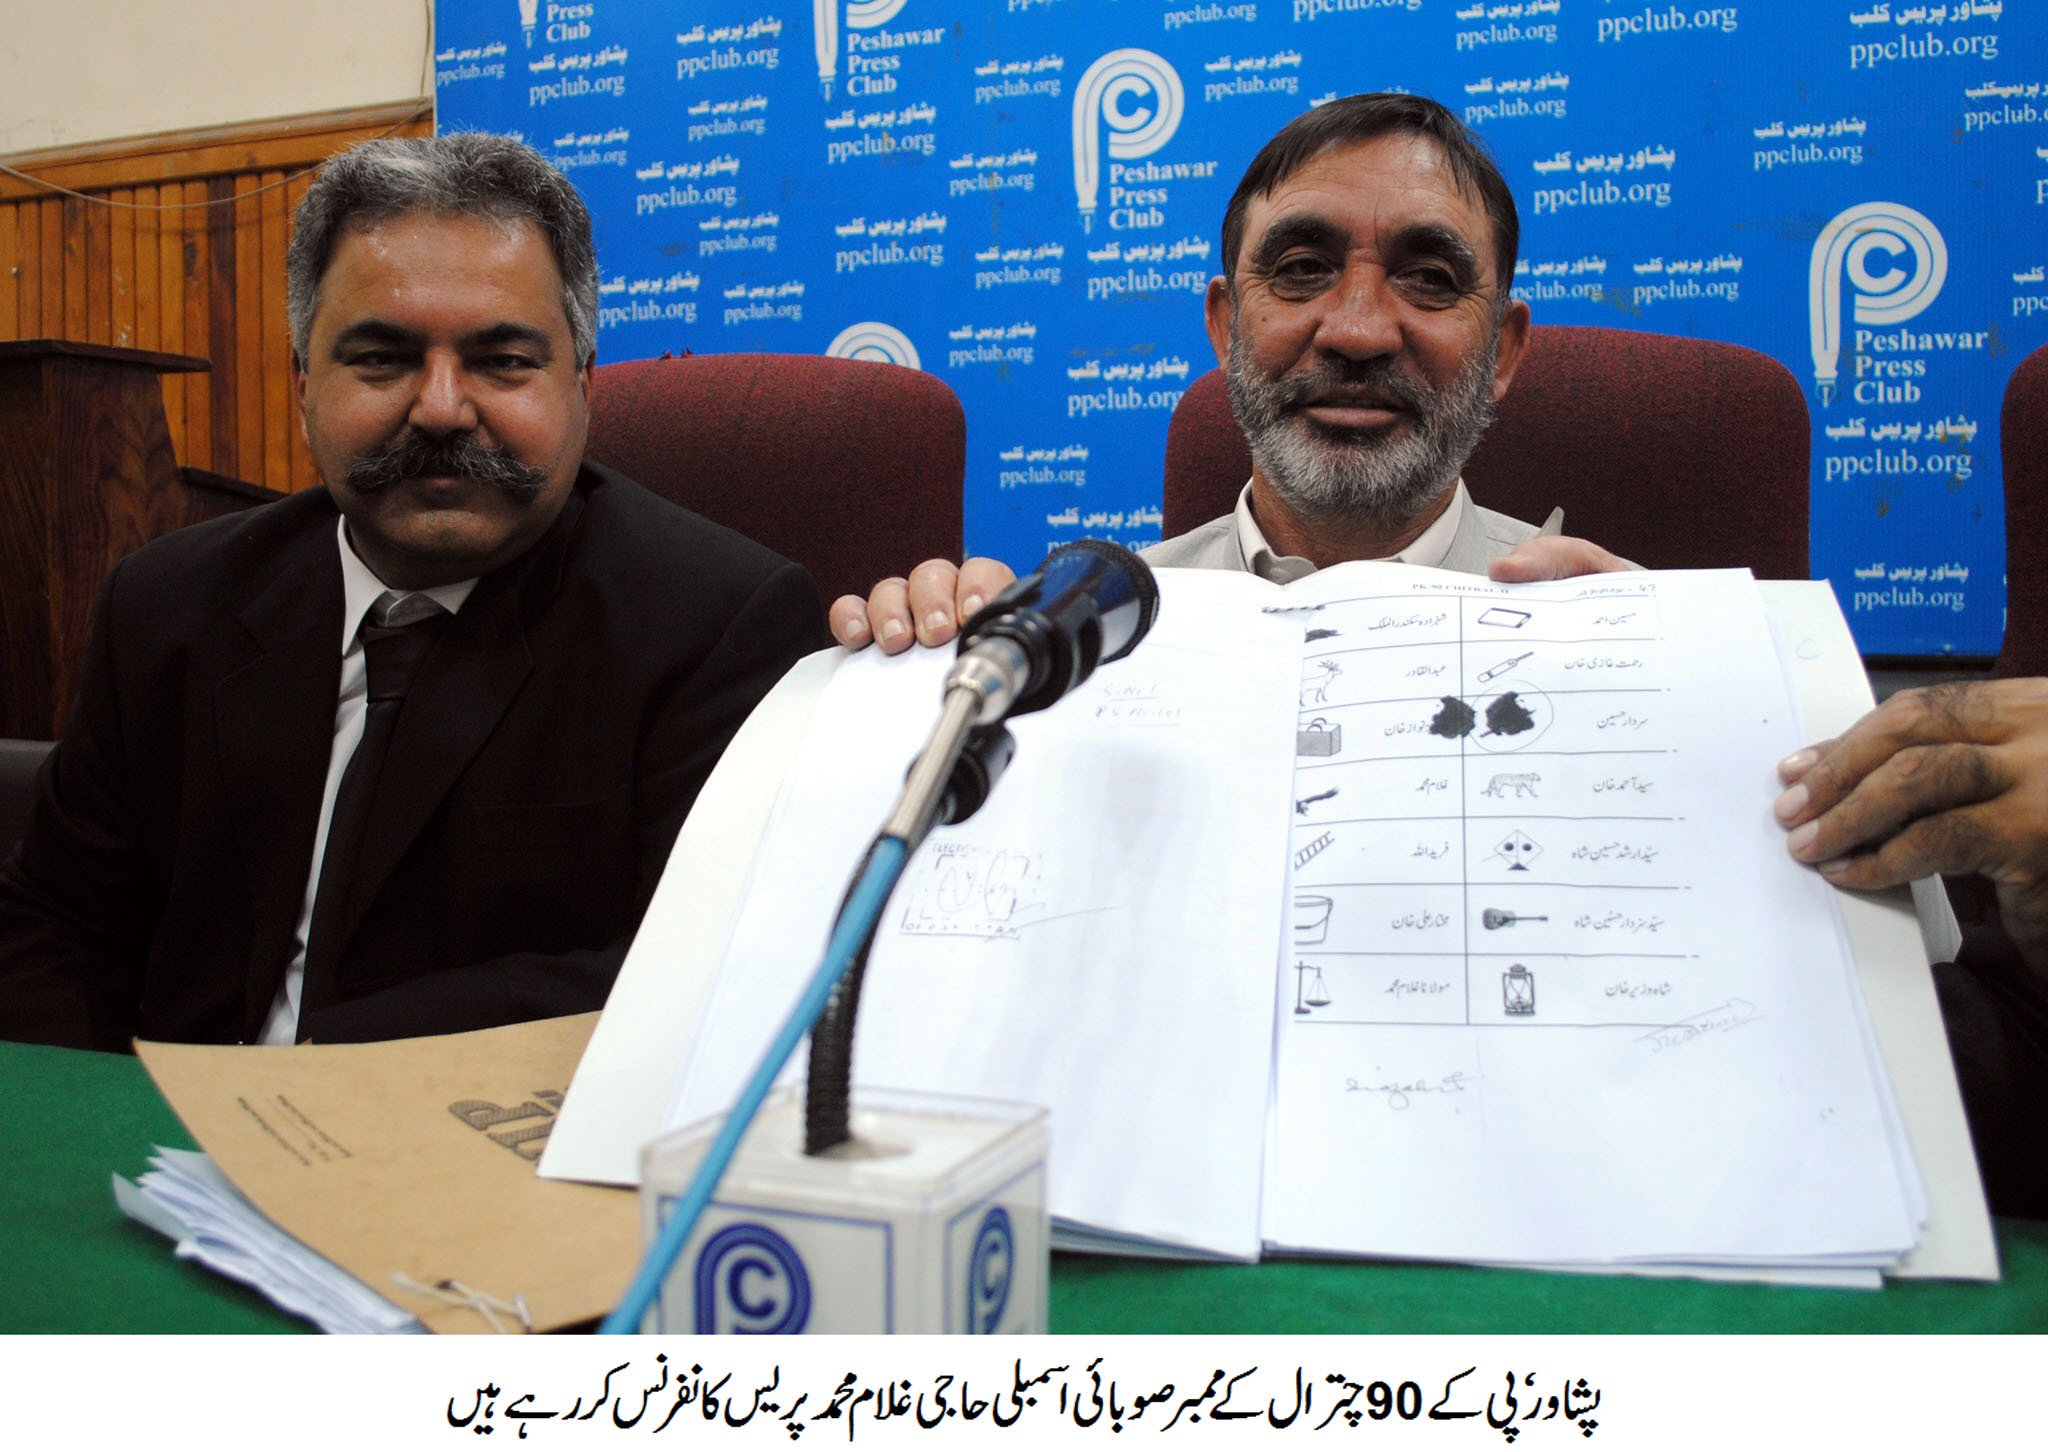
x=392, y=654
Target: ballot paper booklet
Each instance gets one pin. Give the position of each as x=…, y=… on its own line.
x=1389, y=913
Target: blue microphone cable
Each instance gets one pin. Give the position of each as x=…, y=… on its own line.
x=907, y=826
x=855, y=924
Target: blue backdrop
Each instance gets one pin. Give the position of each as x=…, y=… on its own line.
x=1022, y=197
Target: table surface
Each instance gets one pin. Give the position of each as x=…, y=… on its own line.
x=69, y=1119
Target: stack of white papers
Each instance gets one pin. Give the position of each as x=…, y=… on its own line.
x=1392, y=913
x=185, y=1197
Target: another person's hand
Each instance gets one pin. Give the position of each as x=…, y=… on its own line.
x=928, y=607
x=1949, y=778
x=1553, y=557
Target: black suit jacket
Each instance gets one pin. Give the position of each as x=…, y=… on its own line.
x=548, y=752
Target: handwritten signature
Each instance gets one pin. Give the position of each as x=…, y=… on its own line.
x=1401, y=1093
x=1731, y=1015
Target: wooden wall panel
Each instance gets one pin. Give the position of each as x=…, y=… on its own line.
x=246, y=242
x=223, y=319
x=177, y=244
x=28, y=288
x=194, y=273
x=275, y=230
x=121, y=222
x=99, y=269
x=142, y=269
x=50, y=218
x=64, y=251
x=10, y=246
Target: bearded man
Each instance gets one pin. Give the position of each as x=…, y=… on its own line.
x=1367, y=327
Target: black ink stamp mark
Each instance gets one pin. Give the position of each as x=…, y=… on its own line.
x=1453, y=719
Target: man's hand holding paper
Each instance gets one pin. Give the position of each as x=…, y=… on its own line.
x=1947, y=779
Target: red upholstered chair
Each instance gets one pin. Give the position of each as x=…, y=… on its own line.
x=1672, y=452
x=851, y=468
x=2023, y=435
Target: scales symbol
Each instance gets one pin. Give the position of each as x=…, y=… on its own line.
x=1309, y=989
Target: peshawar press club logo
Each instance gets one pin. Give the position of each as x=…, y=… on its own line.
x=860, y=15
x=1892, y=260
x=749, y=1279
x=1132, y=98
x=876, y=342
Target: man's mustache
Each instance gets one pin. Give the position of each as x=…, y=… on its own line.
x=419, y=455
x=1381, y=377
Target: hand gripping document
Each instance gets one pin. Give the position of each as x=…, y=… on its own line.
x=919, y=1212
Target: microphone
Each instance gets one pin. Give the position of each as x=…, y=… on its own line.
x=1088, y=602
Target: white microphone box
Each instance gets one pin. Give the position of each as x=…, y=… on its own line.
x=933, y=1219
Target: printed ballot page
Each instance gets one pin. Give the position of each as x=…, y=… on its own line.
x=1099, y=939
x=1553, y=989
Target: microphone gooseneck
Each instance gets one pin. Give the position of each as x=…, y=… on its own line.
x=1089, y=602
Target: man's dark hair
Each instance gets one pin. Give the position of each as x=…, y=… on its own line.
x=1365, y=118
x=463, y=174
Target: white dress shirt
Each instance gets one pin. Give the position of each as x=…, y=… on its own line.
x=1429, y=548
x=361, y=589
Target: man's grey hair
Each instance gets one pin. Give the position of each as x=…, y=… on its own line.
x=1367, y=117
x=463, y=174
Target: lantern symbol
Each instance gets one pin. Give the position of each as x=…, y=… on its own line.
x=1518, y=992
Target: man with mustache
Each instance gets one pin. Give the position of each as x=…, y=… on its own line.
x=406, y=754
x=1366, y=326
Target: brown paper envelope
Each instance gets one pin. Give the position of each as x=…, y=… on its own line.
x=416, y=1156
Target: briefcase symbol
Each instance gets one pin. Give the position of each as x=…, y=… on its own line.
x=1318, y=738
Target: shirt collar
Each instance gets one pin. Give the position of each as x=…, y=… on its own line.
x=360, y=588
x=1431, y=548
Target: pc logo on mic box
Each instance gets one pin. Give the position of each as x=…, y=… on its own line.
x=932, y=1220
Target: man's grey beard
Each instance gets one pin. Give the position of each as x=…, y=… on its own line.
x=1324, y=473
